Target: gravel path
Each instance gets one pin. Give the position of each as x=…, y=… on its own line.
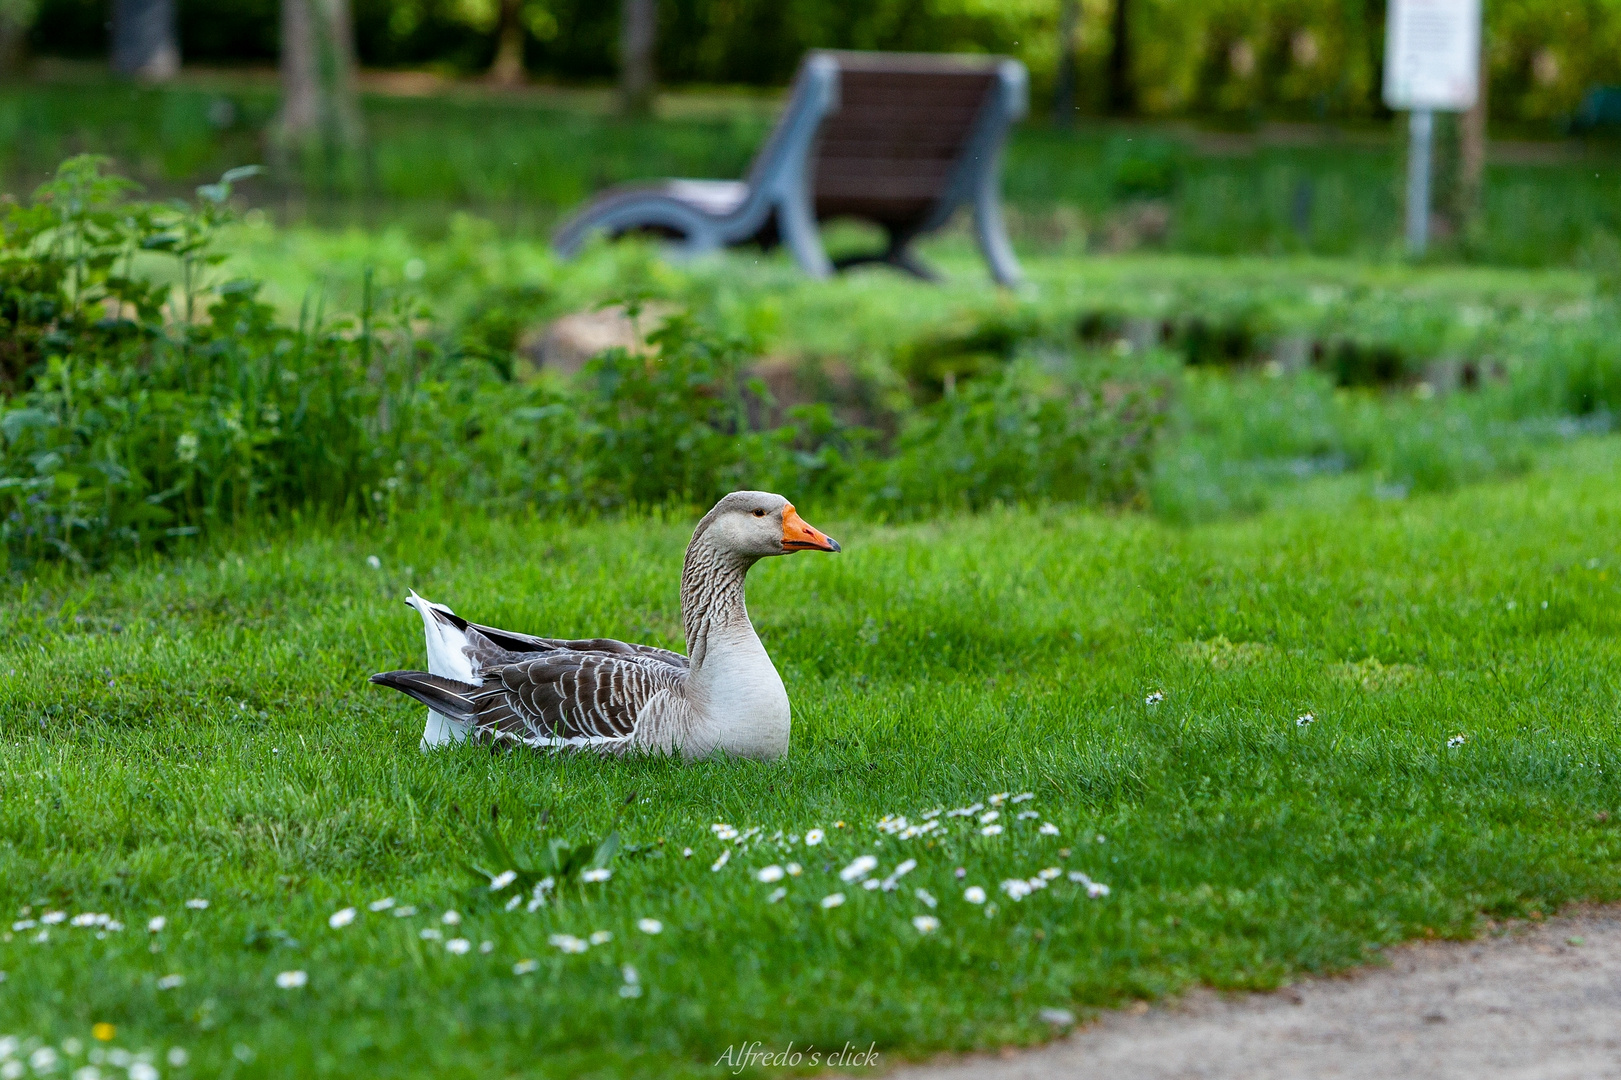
x=1541, y=1001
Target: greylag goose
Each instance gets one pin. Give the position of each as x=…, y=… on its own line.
x=596, y=693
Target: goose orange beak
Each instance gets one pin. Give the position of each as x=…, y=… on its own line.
x=797, y=535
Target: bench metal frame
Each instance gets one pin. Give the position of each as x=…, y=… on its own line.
x=709, y=215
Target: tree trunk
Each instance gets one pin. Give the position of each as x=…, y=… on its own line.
x=507, y=70
x=14, y=20
x=1069, y=21
x=1122, y=85
x=319, y=99
x=638, y=34
x=146, y=45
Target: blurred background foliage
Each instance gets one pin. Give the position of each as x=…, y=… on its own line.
x=1242, y=59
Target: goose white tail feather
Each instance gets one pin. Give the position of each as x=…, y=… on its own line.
x=447, y=657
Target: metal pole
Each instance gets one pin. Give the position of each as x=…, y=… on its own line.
x=1420, y=128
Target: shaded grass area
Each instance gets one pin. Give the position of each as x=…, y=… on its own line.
x=200, y=728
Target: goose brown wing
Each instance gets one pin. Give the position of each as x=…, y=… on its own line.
x=514, y=643
x=569, y=698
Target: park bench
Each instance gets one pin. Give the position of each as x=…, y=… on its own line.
x=901, y=140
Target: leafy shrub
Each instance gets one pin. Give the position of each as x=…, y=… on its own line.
x=1021, y=436
x=147, y=400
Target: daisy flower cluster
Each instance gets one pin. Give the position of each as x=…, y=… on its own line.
x=20, y=1057
x=40, y=929
x=989, y=817
x=40, y=926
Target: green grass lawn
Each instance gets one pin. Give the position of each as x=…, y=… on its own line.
x=200, y=728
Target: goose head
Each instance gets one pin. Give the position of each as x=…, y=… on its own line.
x=755, y=524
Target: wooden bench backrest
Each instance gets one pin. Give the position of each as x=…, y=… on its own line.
x=903, y=122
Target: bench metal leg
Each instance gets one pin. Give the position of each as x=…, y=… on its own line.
x=796, y=224
x=992, y=234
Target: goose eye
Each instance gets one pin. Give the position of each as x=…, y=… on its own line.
x=759, y=513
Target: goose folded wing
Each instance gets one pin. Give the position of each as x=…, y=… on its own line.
x=515, y=643
x=567, y=698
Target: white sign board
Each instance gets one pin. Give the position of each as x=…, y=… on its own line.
x=1432, y=54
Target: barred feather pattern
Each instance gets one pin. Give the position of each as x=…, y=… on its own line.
x=711, y=594
x=594, y=692
x=498, y=686
x=567, y=698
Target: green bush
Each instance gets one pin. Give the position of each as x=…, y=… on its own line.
x=1020, y=435
x=147, y=400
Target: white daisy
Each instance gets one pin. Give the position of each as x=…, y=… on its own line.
x=769, y=874
x=871, y=884
x=776, y=894
x=381, y=905
x=197, y=904
x=601, y=873
x=998, y=799
x=725, y=857
x=601, y=937
x=568, y=943
x=899, y=872
x=405, y=911
x=430, y=933
x=458, y=946
x=1457, y=741
x=974, y=894
x=1016, y=889
x=292, y=980
x=502, y=880
x=832, y=900
x=524, y=967
x=926, y=924
x=860, y=868
x=1024, y=796
x=794, y=869
x=341, y=918
x=486, y=947
x=650, y=926
x=451, y=918
x=1026, y=815
x=51, y=918
x=991, y=830
x=1154, y=699
x=989, y=816
x=814, y=837
x=170, y=982
x=1048, y=829
x=1304, y=719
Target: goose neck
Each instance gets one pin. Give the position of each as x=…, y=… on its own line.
x=712, y=604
